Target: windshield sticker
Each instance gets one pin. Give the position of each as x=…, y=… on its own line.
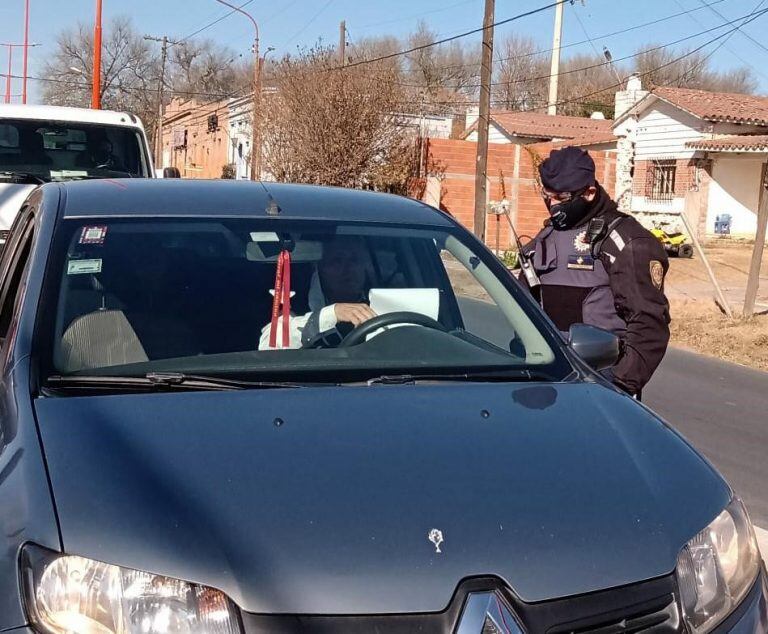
x=93, y=235
x=64, y=174
x=80, y=267
x=264, y=236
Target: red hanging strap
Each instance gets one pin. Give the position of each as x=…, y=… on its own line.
x=286, y=298
x=282, y=296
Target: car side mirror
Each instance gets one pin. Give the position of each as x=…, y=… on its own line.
x=598, y=347
x=171, y=172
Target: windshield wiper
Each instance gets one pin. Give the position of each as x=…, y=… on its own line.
x=500, y=376
x=160, y=381
x=23, y=177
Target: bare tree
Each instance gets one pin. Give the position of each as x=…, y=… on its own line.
x=587, y=85
x=686, y=69
x=203, y=67
x=335, y=127
x=519, y=80
x=129, y=69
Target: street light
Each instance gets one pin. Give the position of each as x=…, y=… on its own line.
x=609, y=58
x=77, y=70
x=256, y=123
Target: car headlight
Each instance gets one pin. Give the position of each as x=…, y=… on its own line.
x=67, y=594
x=717, y=567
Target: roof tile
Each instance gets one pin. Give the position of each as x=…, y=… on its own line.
x=718, y=106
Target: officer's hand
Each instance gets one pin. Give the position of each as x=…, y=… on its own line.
x=354, y=314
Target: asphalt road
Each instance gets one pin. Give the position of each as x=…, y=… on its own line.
x=722, y=409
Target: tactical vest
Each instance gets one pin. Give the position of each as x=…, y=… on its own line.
x=575, y=287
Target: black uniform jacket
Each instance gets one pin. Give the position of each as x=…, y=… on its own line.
x=636, y=264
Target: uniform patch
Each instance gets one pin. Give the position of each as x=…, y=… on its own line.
x=581, y=262
x=581, y=243
x=657, y=273
x=617, y=240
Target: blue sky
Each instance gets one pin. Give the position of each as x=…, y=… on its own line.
x=288, y=23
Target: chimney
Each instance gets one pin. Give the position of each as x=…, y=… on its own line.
x=458, y=125
x=627, y=98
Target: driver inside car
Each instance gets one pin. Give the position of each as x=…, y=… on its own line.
x=338, y=298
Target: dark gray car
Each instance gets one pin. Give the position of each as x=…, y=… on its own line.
x=204, y=430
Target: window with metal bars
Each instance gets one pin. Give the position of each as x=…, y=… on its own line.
x=660, y=180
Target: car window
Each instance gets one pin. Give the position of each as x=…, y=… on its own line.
x=197, y=295
x=14, y=265
x=64, y=151
x=479, y=313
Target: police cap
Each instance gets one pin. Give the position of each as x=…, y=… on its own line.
x=568, y=170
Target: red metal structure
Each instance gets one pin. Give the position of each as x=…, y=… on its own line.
x=96, y=91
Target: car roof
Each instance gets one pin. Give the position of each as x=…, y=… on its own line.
x=177, y=198
x=69, y=115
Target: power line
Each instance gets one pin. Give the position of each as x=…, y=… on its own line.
x=308, y=24
x=747, y=35
x=730, y=50
x=579, y=43
x=214, y=23
x=620, y=59
x=414, y=49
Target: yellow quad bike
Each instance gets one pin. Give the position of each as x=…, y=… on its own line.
x=675, y=244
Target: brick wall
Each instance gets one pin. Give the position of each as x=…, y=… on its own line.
x=453, y=162
x=684, y=177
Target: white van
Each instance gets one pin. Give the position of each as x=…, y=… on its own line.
x=39, y=144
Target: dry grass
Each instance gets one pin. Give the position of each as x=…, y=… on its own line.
x=700, y=326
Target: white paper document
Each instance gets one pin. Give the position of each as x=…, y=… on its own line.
x=425, y=301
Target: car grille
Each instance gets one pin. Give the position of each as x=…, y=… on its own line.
x=648, y=608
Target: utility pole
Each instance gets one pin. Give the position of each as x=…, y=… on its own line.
x=9, y=76
x=554, y=73
x=342, y=43
x=753, y=282
x=164, y=42
x=256, y=117
x=481, y=168
x=96, y=86
x=26, y=53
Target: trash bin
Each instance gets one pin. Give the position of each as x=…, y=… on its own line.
x=723, y=224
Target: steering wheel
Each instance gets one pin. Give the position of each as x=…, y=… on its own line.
x=359, y=334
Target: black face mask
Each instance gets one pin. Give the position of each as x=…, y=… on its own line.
x=569, y=214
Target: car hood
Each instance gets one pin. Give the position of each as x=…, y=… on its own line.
x=321, y=500
x=12, y=195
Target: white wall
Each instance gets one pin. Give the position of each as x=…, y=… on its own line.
x=495, y=135
x=663, y=130
x=735, y=190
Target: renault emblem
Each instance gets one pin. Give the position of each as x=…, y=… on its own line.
x=436, y=537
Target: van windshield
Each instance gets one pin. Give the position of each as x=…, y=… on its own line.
x=54, y=151
x=197, y=296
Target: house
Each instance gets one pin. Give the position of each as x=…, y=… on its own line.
x=195, y=138
x=525, y=128
x=693, y=151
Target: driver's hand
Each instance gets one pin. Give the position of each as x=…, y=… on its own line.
x=354, y=314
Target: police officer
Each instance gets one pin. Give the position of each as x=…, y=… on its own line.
x=599, y=266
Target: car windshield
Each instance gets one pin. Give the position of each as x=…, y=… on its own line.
x=128, y=297
x=68, y=151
